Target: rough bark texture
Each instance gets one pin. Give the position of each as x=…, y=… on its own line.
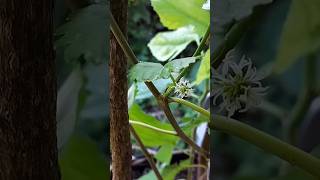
x=28, y=141
x=119, y=122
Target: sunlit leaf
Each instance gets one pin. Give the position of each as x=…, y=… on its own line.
x=170, y=172
x=179, y=13
x=164, y=154
x=168, y=45
x=148, y=135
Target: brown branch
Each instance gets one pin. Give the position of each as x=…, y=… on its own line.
x=119, y=122
x=146, y=153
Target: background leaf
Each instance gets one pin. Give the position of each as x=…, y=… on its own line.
x=227, y=12
x=301, y=33
x=84, y=35
x=168, y=45
x=204, y=69
x=82, y=160
x=67, y=105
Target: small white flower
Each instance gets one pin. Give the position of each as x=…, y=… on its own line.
x=183, y=88
x=237, y=85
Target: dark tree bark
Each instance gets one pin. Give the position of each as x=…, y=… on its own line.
x=119, y=121
x=28, y=143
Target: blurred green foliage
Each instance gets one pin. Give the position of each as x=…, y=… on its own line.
x=279, y=37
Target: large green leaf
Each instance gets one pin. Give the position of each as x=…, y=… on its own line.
x=168, y=45
x=85, y=35
x=301, y=33
x=179, y=13
x=204, y=69
x=150, y=137
x=148, y=71
x=82, y=160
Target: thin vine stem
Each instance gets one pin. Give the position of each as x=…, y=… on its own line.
x=153, y=128
x=268, y=143
x=191, y=105
x=162, y=101
x=146, y=153
x=265, y=141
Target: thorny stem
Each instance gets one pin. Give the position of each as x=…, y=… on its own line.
x=146, y=153
x=162, y=101
x=291, y=154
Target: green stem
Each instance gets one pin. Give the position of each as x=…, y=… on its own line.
x=153, y=128
x=191, y=105
x=122, y=40
x=268, y=143
x=173, y=80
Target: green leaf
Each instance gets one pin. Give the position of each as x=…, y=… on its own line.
x=144, y=92
x=148, y=71
x=148, y=135
x=204, y=69
x=85, y=35
x=170, y=172
x=82, y=160
x=178, y=64
x=301, y=33
x=132, y=93
x=179, y=13
x=164, y=155
x=168, y=45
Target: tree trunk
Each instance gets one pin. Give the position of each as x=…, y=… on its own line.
x=119, y=121
x=28, y=143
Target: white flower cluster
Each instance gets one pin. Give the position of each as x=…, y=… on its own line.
x=183, y=88
x=237, y=85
